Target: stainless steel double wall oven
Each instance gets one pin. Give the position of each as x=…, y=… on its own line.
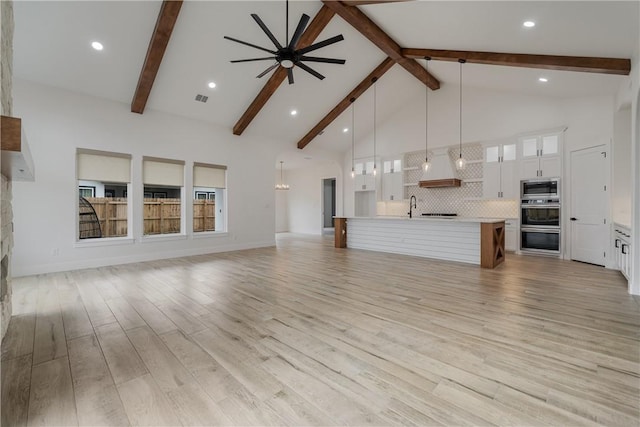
x=540, y=216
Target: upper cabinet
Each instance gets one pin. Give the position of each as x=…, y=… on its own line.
x=500, y=180
x=392, y=185
x=365, y=180
x=541, y=156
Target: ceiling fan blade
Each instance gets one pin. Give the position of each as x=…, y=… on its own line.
x=254, y=59
x=327, y=42
x=304, y=20
x=265, y=72
x=310, y=70
x=249, y=44
x=290, y=75
x=325, y=60
x=266, y=30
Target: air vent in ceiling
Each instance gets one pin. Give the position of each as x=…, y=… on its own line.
x=201, y=98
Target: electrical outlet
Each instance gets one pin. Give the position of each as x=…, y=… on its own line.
x=55, y=252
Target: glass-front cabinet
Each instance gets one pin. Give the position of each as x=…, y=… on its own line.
x=541, y=156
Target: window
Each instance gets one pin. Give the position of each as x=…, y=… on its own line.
x=209, y=195
x=103, y=181
x=163, y=181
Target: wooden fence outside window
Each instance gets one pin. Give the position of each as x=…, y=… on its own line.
x=160, y=216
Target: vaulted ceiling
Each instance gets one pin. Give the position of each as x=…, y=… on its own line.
x=52, y=46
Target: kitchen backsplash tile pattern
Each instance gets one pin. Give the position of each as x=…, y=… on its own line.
x=465, y=200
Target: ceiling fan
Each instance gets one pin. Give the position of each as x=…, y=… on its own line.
x=288, y=56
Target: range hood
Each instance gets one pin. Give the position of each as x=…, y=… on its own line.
x=441, y=174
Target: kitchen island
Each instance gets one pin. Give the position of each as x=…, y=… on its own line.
x=471, y=240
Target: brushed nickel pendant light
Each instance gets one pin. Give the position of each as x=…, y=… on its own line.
x=426, y=165
x=461, y=163
x=353, y=140
x=375, y=169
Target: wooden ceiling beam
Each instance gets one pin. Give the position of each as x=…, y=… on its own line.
x=618, y=66
x=312, y=32
x=344, y=104
x=361, y=22
x=159, y=40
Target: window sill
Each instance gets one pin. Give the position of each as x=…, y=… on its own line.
x=162, y=238
x=209, y=234
x=108, y=241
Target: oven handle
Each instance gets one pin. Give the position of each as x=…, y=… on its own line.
x=542, y=206
x=541, y=230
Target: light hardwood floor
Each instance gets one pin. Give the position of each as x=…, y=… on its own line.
x=306, y=334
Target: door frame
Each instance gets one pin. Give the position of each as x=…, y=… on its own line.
x=335, y=199
x=566, y=202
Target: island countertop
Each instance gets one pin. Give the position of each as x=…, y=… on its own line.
x=431, y=218
x=463, y=239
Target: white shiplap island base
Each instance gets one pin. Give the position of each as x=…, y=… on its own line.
x=470, y=240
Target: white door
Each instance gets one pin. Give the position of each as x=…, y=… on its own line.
x=589, y=205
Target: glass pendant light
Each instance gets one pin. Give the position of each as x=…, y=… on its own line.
x=461, y=163
x=374, y=80
x=353, y=136
x=281, y=185
x=426, y=165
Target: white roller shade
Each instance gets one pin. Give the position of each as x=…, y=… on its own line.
x=155, y=172
x=104, y=168
x=209, y=176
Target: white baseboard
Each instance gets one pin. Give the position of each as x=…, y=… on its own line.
x=29, y=270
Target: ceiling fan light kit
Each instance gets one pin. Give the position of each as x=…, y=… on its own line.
x=289, y=56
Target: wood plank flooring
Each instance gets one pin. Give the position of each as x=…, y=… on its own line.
x=306, y=334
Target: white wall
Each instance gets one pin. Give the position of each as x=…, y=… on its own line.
x=622, y=183
x=57, y=122
x=634, y=283
x=305, y=196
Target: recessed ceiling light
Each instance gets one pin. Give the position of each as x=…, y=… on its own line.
x=97, y=45
x=294, y=112
x=543, y=79
x=529, y=24
x=345, y=130
x=211, y=85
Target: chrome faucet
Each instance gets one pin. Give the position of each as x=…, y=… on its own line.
x=412, y=205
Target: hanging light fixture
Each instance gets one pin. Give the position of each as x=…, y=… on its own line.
x=426, y=165
x=281, y=185
x=353, y=141
x=374, y=80
x=461, y=163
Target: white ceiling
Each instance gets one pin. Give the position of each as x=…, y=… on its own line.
x=52, y=46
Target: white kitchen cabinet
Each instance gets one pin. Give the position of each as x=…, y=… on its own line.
x=365, y=180
x=511, y=234
x=622, y=244
x=392, y=183
x=540, y=156
x=499, y=178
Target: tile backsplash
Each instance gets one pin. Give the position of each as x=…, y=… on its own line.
x=465, y=208
x=465, y=200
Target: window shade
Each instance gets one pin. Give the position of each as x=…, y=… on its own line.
x=209, y=176
x=156, y=172
x=104, y=167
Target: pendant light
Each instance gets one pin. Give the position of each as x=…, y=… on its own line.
x=461, y=163
x=353, y=137
x=374, y=80
x=282, y=185
x=426, y=165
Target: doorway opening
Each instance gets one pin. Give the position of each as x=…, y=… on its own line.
x=328, y=205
